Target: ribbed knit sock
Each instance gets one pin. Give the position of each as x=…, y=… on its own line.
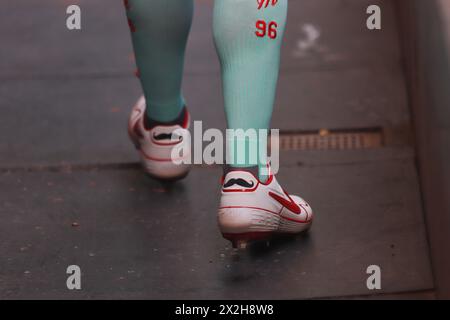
x=159, y=30
x=248, y=36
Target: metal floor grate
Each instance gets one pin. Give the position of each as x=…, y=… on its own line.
x=332, y=139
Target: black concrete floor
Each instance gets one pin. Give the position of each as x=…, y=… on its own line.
x=65, y=158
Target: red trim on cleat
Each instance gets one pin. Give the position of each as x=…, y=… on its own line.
x=288, y=204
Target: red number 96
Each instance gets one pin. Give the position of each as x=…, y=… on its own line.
x=264, y=29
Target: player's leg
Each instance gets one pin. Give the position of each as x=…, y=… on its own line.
x=248, y=36
x=159, y=30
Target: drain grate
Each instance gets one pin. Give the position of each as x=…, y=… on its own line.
x=366, y=138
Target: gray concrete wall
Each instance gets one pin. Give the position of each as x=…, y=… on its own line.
x=425, y=33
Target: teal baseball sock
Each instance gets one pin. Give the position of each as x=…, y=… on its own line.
x=248, y=36
x=159, y=30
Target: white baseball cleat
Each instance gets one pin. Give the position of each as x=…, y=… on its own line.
x=156, y=143
x=253, y=210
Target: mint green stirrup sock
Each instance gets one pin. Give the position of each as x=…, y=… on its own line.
x=248, y=36
x=159, y=30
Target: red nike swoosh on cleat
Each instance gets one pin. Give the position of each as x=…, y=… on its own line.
x=289, y=204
